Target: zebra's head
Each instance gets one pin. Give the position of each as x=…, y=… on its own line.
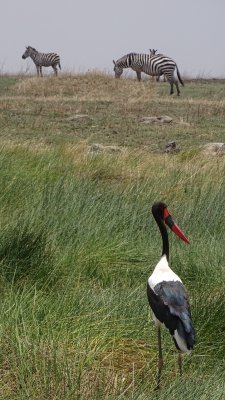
x=118, y=70
x=29, y=50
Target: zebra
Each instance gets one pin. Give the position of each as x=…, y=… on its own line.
x=153, y=53
x=42, y=59
x=127, y=61
x=156, y=66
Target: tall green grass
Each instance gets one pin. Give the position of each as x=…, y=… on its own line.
x=77, y=244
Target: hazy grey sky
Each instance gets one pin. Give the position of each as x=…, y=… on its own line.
x=88, y=34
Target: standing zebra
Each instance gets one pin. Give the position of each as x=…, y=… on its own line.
x=153, y=53
x=156, y=65
x=42, y=59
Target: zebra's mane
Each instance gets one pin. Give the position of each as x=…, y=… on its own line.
x=32, y=48
x=126, y=56
x=130, y=54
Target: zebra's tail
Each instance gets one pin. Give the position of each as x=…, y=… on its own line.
x=59, y=65
x=179, y=77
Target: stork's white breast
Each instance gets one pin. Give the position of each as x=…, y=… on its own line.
x=162, y=272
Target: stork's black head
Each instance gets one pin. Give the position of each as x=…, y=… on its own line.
x=158, y=209
x=162, y=215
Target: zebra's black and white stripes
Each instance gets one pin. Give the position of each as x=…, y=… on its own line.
x=42, y=59
x=153, y=53
x=155, y=65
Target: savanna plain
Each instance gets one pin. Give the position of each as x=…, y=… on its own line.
x=78, y=241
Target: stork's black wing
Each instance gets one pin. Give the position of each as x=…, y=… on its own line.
x=169, y=302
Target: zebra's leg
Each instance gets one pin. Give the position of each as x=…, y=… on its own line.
x=177, y=86
x=41, y=71
x=171, y=86
x=37, y=67
x=55, y=69
x=172, y=81
x=138, y=75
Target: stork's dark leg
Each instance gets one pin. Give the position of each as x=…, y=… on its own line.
x=160, y=360
x=180, y=362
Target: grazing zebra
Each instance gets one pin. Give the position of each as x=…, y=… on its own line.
x=127, y=61
x=156, y=66
x=42, y=59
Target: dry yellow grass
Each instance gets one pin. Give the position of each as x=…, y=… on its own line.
x=85, y=87
x=38, y=110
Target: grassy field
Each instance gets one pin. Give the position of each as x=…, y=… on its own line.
x=78, y=241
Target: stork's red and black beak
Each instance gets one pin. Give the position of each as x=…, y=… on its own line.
x=173, y=226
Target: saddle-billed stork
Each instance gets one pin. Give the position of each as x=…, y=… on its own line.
x=166, y=293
